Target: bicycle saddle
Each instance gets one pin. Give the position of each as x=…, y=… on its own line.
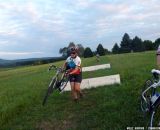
x=155, y=71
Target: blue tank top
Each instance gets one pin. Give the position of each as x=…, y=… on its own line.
x=71, y=65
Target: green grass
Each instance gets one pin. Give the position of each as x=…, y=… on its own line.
x=105, y=108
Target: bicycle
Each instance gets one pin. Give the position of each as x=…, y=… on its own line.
x=58, y=82
x=150, y=99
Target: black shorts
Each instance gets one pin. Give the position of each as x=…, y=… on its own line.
x=75, y=78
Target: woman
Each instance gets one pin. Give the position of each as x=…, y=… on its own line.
x=73, y=65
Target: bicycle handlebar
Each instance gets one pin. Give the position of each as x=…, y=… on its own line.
x=56, y=68
x=52, y=66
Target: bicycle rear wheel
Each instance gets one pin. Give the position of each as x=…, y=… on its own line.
x=155, y=118
x=50, y=89
x=63, y=85
x=63, y=82
x=145, y=105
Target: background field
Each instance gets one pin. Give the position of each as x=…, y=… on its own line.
x=106, y=108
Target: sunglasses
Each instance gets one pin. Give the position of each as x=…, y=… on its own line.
x=73, y=53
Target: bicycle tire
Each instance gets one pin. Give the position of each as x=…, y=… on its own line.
x=145, y=106
x=63, y=85
x=49, y=90
x=155, y=117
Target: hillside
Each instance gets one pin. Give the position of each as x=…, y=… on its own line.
x=29, y=61
x=105, y=108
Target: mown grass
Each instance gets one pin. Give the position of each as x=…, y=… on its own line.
x=105, y=108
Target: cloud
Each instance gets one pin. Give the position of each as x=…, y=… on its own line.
x=19, y=53
x=46, y=26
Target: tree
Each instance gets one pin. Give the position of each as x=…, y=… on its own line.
x=137, y=45
x=80, y=49
x=71, y=44
x=64, y=51
x=156, y=43
x=148, y=45
x=94, y=53
x=125, y=45
x=88, y=52
x=100, y=50
x=115, y=49
x=106, y=51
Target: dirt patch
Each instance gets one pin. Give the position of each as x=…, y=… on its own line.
x=56, y=125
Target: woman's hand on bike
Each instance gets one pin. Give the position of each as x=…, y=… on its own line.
x=67, y=73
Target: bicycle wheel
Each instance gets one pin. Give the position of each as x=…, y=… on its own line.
x=145, y=105
x=63, y=83
x=155, y=117
x=49, y=90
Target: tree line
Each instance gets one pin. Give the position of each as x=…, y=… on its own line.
x=136, y=44
x=84, y=52
x=127, y=45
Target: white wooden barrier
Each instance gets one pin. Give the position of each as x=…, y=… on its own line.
x=96, y=67
x=96, y=82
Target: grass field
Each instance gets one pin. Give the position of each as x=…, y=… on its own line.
x=105, y=108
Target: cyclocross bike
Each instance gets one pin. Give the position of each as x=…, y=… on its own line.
x=150, y=99
x=58, y=82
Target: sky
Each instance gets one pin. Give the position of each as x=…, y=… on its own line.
x=39, y=28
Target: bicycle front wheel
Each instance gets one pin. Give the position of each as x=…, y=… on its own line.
x=155, y=118
x=49, y=90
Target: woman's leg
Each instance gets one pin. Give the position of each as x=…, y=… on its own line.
x=78, y=80
x=74, y=93
x=77, y=89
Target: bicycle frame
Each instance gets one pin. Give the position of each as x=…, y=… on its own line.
x=58, y=71
x=154, y=86
x=57, y=82
x=149, y=103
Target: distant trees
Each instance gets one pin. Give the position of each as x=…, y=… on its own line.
x=115, y=49
x=134, y=45
x=106, y=51
x=137, y=45
x=84, y=52
x=100, y=50
x=65, y=50
x=81, y=50
x=157, y=43
x=125, y=44
x=148, y=45
x=88, y=52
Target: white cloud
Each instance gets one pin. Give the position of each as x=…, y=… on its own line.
x=48, y=25
x=2, y=53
